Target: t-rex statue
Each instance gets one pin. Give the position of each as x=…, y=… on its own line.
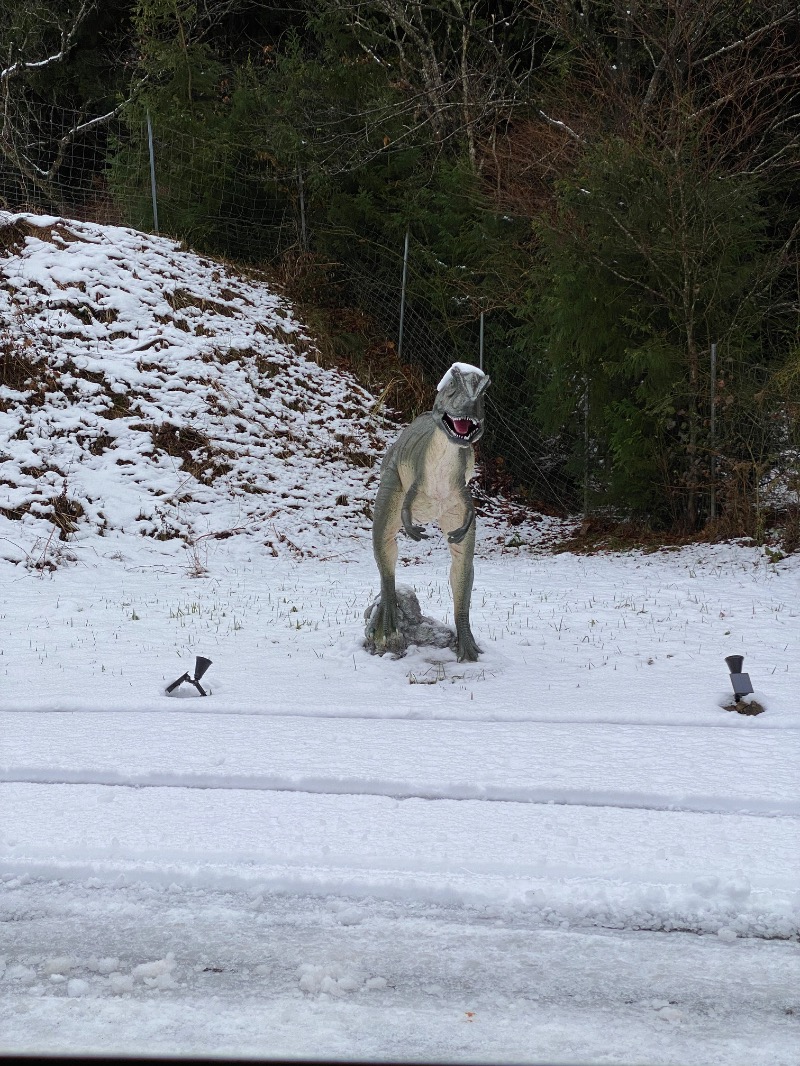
x=424, y=478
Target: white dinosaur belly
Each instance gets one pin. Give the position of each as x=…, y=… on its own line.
x=441, y=486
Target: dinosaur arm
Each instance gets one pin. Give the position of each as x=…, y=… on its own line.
x=409, y=458
x=415, y=532
x=458, y=535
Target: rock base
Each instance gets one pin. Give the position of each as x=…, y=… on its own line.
x=413, y=626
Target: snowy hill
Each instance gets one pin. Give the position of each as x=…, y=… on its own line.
x=151, y=391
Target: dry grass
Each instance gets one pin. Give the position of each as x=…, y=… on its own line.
x=193, y=448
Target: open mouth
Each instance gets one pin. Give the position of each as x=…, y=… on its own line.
x=463, y=428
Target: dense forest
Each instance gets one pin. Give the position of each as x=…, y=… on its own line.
x=600, y=196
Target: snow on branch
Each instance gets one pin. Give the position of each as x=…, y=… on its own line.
x=748, y=38
x=557, y=124
x=67, y=138
x=67, y=41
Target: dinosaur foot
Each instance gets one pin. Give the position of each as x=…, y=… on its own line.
x=381, y=633
x=466, y=648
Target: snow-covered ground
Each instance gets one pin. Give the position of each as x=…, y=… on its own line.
x=568, y=851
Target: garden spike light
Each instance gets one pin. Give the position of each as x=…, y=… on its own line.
x=741, y=682
x=201, y=664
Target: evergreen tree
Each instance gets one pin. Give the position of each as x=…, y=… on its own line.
x=668, y=151
x=650, y=263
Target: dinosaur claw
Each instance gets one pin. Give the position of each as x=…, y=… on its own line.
x=467, y=649
x=417, y=532
x=382, y=631
x=458, y=534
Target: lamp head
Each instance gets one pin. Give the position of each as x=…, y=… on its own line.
x=201, y=664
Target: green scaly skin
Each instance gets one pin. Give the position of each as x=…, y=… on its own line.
x=424, y=477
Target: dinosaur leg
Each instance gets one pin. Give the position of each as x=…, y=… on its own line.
x=461, y=577
x=385, y=526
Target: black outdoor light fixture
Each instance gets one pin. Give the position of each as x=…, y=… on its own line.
x=741, y=682
x=200, y=666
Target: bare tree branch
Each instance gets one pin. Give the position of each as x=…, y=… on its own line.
x=754, y=35
x=77, y=129
x=451, y=57
x=557, y=124
x=781, y=77
x=68, y=37
x=636, y=282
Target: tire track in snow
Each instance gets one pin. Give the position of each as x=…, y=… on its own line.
x=412, y=714
x=601, y=866
x=399, y=790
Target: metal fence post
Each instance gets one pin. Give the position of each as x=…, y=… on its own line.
x=585, y=447
x=480, y=345
x=403, y=297
x=302, y=197
x=152, y=173
x=712, y=430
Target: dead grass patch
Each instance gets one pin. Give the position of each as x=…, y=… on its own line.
x=179, y=299
x=600, y=533
x=193, y=448
x=230, y=355
x=17, y=367
x=87, y=313
x=98, y=444
x=14, y=234
x=65, y=514
x=16, y=514
x=120, y=405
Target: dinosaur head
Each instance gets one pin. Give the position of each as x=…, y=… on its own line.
x=459, y=403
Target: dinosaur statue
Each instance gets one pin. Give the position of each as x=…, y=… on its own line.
x=424, y=478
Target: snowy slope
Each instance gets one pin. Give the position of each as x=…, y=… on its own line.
x=568, y=851
x=157, y=393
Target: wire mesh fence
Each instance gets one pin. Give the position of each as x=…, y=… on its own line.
x=432, y=335
x=226, y=195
